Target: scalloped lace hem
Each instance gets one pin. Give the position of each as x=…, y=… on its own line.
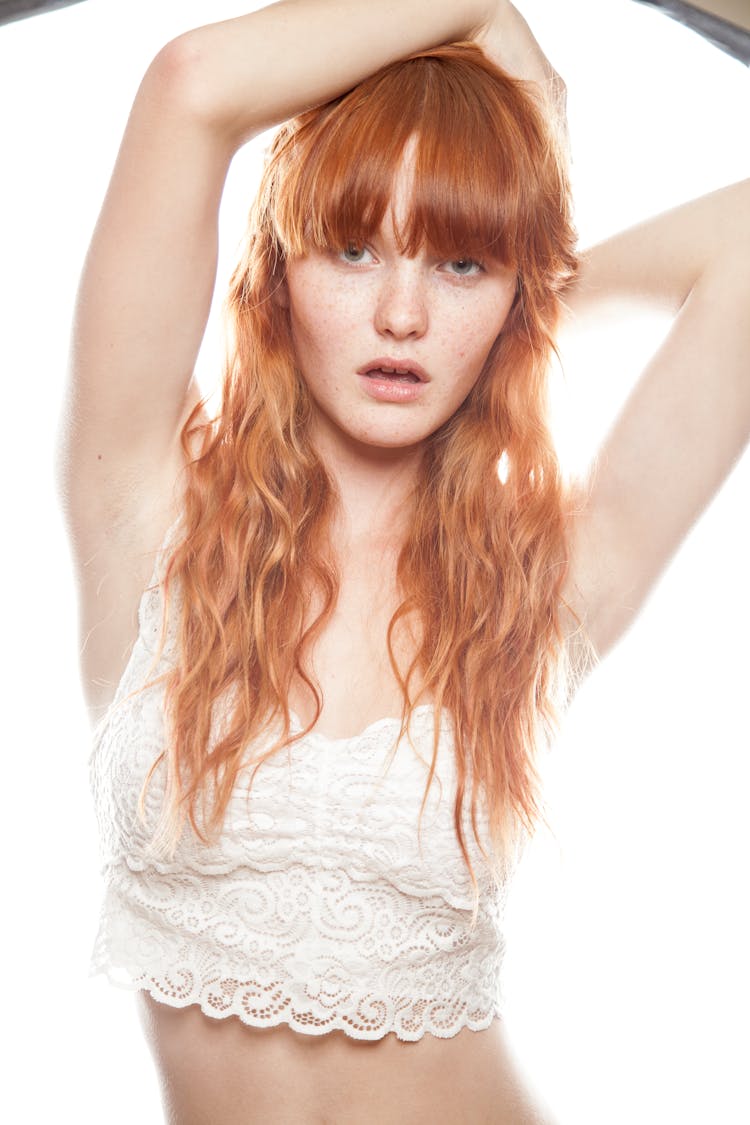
x=368, y=1018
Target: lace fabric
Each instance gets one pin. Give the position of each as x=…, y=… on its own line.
x=321, y=906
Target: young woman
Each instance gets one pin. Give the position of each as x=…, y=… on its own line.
x=314, y=757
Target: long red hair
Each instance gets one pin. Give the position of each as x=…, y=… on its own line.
x=485, y=559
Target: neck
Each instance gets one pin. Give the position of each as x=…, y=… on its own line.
x=375, y=488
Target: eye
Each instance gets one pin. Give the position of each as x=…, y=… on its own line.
x=355, y=254
x=464, y=267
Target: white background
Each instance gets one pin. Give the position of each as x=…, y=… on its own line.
x=627, y=972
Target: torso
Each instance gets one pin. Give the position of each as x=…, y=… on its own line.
x=227, y=1073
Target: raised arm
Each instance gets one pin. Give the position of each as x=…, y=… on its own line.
x=688, y=418
x=148, y=279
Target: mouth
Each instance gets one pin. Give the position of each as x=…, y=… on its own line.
x=394, y=371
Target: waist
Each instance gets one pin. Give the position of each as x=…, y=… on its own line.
x=208, y=1068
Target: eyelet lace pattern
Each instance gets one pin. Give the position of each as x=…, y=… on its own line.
x=319, y=907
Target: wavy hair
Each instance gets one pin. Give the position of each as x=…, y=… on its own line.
x=483, y=565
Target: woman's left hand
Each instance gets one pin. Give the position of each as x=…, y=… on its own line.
x=509, y=41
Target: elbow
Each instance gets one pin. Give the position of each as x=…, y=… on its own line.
x=179, y=82
x=175, y=74
x=188, y=77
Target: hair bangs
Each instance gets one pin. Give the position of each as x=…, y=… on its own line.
x=341, y=168
x=455, y=206
x=450, y=123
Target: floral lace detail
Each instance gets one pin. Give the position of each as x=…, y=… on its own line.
x=320, y=907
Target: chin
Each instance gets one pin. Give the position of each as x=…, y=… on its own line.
x=389, y=440
x=378, y=435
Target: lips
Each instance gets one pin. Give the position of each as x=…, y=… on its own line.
x=398, y=370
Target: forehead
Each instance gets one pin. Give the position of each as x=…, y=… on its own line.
x=402, y=189
x=450, y=146
x=421, y=194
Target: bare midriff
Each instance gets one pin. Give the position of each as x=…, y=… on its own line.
x=222, y=1072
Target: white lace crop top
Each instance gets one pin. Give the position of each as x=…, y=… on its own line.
x=317, y=908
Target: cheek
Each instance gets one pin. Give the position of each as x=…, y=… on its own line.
x=470, y=344
x=318, y=317
x=311, y=327
x=488, y=321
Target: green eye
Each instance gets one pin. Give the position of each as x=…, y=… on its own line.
x=465, y=267
x=354, y=253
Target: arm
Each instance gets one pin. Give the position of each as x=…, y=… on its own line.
x=313, y=50
x=688, y=418
x=510, y=43
x=148, y=280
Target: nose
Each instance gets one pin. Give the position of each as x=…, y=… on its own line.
x=402, y=310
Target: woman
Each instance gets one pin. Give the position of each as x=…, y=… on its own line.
x=340, y=548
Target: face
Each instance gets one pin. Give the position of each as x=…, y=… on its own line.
x=390, y=346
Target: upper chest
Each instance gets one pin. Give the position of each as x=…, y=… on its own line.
x=349, y=658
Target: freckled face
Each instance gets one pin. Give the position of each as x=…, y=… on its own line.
x=360, y=308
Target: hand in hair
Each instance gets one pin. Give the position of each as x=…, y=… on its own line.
x=509, y=41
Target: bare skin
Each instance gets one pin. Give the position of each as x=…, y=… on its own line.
x=220, y=1071
x=142, y=310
